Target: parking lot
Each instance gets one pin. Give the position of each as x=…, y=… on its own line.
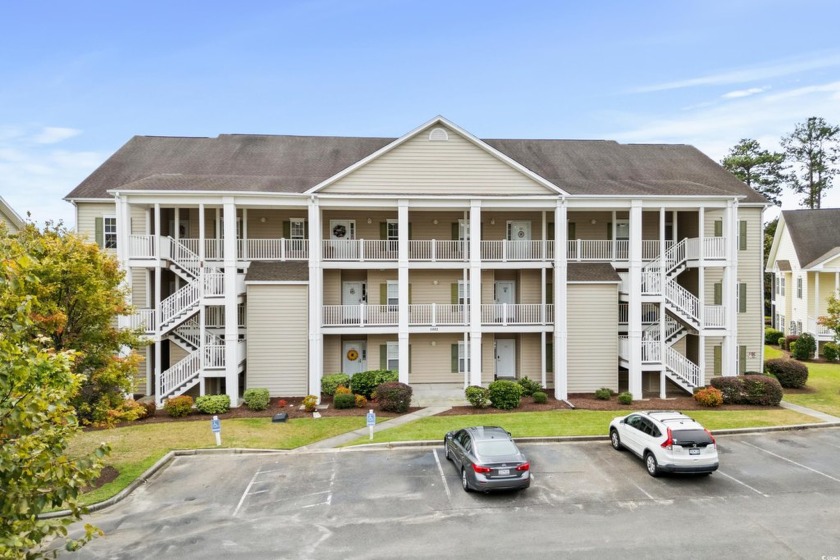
x=775, y=496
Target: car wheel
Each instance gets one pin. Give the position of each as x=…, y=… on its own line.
x=651, y=465
x=464, y=482
x=615, y=440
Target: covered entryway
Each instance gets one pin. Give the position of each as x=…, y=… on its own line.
x=505, y=357
x=504, y=293
x=352, y=298
x=354, y=356
x=342, y=236
x=519, y=239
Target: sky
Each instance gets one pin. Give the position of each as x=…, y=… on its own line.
x=79, y=79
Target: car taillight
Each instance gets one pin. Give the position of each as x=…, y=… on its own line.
x=714, y=442
x=481, y=469
x=668, y=443
x=524, y=467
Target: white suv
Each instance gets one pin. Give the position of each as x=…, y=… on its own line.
x=667, y=441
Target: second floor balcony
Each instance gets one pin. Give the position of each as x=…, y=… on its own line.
x=436, y=315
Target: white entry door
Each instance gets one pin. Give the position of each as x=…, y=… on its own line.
x=519, y=239
x=505, y=357
x=342, y=239
x=352, y=297
x=354, y=357
x=505, y=297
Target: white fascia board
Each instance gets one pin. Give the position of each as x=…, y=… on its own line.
x=10, y=212
x=591, y=282
x=435, y=121
x=276, y=282
x=781, y=227
x=75, y=200
x=193, y=199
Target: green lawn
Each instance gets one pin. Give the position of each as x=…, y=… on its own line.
x=824, y=381
x=137, y=447
x=773, y=352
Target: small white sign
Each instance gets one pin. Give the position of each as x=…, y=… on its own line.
x=371, y=418
x=216, y=425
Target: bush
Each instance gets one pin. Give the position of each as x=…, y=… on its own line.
x=771, y=336
x=505, y=394
x=790, y=373
x=831, y=352
x=256, y=398
x=150, y=407
x=127, y=411
x=792, y=347
x=176, y=407
x=329, y=383
x=309, y=403
x=360, y=400
x=789, y=339
x=759, y=390
x=478, y=396
x=603, y=394
x=365, y=382
x=344, y=400
x=394, y=396
x=342, y=390
x=625, y=398
x=709, y=396
x=213, y=404
x=540, y=397
x=529, y=387
x=781, y=342
x=806, y=346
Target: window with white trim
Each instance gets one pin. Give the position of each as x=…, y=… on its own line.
x=463, y=230
x=799, y=287
x=782, y=285
x=392, y=297
x=392, y=230
x=297, y=228
x=392, y=360
x=463, y=357
x=109, y=232
x=463, y=293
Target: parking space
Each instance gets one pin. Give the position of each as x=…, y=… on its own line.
x=341, y=504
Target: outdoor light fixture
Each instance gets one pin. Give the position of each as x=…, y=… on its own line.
x=593, y=221
x=370, y=221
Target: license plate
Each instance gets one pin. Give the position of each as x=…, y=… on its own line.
x=694, y=452
x=504, y=472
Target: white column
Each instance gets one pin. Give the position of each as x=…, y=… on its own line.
x=244, y=235
x=158, y=265
x=662, y=313
x=402, y=281
x=701, y=294
x=231, y=319
x=316, y=280
x=475, y=293
x=634, y=322
x=561, y=267
x=729, y=351
x=816, y=309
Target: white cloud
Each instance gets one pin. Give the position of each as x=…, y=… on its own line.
x=54, y=134
x=743, y=93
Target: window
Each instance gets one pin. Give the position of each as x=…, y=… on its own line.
x=392, y=298
x=718, y=228
x=109, y=231
x=742, y=235
x=392, y=230
x=463, y=293
x=463, y=230
x=392, y=360
x=782, y=285
x=297, y=229
x=799, y=287
x=777, y=285
x=781, y=325
x=622, y=230
x=463, y=357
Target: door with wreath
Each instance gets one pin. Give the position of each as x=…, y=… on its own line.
x=354, y=357
x=343, y=244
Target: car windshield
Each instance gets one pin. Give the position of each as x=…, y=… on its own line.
x=683, y=437
x=496, y=448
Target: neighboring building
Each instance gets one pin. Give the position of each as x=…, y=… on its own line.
x=269, y=261
x=14, y=223
x=805, y=262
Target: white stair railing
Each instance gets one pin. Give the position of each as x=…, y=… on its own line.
x=178, y=306
x=189, y=332
x=686, y=371
x=180, y=377
x=684, y=301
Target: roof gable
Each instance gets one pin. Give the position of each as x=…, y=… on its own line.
x=814, y=233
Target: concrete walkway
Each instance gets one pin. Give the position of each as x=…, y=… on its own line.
x=809, y=411
x=384, y=425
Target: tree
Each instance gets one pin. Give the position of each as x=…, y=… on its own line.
x=78, y=299
x=814, y=147
x=760, y=169
x=832, y=319
x=36, y=423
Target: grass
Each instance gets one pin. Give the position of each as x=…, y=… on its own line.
x=824, y=382
x=772, y=352
x=573, y=423
x=136, y=448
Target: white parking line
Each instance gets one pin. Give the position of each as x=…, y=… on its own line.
x=245, y=493
x=744, y=484
x=442, y=476
x=793, y=462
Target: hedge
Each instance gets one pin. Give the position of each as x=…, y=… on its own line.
x=758, y=390
x=790, y=373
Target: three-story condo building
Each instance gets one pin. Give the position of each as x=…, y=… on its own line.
x=269, y=261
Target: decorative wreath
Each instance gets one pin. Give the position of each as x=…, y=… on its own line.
x=352, y=355
x=339, y=231
x=521, y=234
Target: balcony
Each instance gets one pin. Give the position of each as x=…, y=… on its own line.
x=820, y=332
x=436, y=315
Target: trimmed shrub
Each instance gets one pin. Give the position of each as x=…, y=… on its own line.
x=781, y=342
x=603, y=394
x=344, y=400
x=505, y=394
x=529, y=387
x=478, y=396
x=256, y=398
x=365, y=382
x=831, y=352
x=805, y=347
x=309, y=403
x=342, y=390
x=625, y=398
x=709, y=396
x=213, y=404
x=177, y=407
x=759, y=390
x=540, y=397
x=792, y=347
x=360, y=400
x=394, y=396
x=771, y=336
x=150, y=407
x=329, y=383
x=790, y=373
x=789, y=339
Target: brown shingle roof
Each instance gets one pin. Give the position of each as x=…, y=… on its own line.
x=592, y=272
x=784, y=266
x=814, y=233
x=288, y=271
x=294, y=164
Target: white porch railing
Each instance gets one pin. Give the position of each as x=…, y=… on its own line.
x=214, y=316
x=820, y=331
x=214, y=283
x=142, y=246
x=624, y=347
x=143, y=319
x=714, y=248
x=516, y=314
x=438, y=250
x=272, y=249
x=651, y=352
x=360, y=315
x=503, y=250
x=438, y=314
x=714, y=316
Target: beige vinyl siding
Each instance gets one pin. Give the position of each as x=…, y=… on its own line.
x=432, y=364
x=278, y=350
x=332, y=287
x=10, y=223
x=423, y=224
x=529, y=286
x=711, y=342
x=833, y=263
x=827, y=289
x=139, y=216
x=488, y=357
x=332, y=355
x=498, y=230
x=86, y=214
x=593, y=344
x=453, y=166
x=140, y=296
x=750, y=271
x=528, y=348
x=176, y=353
x=585, y=229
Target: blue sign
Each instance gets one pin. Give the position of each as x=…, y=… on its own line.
x=371, y=419
x=216, y=425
